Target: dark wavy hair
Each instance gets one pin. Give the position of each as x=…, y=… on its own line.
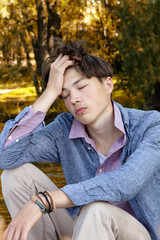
x=89, y=65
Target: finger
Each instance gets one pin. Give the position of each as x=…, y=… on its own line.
x=60, y=61
x=62, y=66
x=24, y=235
x=76, y=58
x=17, y=234
x=68, y=63
x=9, y=233
x=58, y=58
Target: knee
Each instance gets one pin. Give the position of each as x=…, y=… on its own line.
x=8, y=179
x=97, y=209
x=90, y=215
x=11, y=179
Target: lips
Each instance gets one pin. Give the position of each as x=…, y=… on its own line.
x=80, y=110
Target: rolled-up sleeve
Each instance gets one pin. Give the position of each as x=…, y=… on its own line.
x=27, y=124
x=36, y=147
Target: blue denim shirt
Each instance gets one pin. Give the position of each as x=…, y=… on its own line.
x=136, y=181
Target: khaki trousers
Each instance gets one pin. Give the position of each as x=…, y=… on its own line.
x=95, y=221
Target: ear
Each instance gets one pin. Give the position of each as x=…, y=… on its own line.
x=108, y=83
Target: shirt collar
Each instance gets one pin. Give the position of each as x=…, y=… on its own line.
x=78, y=129
x=118, y=122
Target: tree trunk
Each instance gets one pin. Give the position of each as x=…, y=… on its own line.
x=26, y=48
x=40, y=44
x=153, y=101
x=54, y=24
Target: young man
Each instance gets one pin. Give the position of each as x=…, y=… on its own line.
x=110, y=156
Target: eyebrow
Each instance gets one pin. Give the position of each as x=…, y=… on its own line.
x=80, y=79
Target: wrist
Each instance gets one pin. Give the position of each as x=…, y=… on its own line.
x=61, y=199
x=45, y=101
x=36, y=207
x=52, y=93
x=44, y=201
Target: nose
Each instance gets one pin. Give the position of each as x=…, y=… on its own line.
x=75, y=97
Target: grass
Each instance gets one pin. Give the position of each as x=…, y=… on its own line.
x=19, y=88
x=12, y=102
x=19, y=94
x=16, y=91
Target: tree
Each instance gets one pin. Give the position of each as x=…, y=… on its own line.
x=139, y=49
x=93, y=21
x=33, y=26
x=46, y=29
x=13, y=35
x=40, y=21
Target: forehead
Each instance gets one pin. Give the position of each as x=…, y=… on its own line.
x=72, y=72
x=72, y=75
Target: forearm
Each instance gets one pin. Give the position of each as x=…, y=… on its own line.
x=61, y=199
x=44, y=102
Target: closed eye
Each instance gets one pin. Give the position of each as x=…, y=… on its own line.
x=82, y=87
x=64, y=97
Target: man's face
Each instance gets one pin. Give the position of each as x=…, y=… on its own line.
x=87, y=99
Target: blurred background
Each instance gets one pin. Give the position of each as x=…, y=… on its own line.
x=125, y=33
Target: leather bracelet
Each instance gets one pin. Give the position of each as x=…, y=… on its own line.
x=34, y=199
x=43, y=209
x=49, y=205
x=41, y=200
x=53, y=206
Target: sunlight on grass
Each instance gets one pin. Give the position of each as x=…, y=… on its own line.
x=18, y=94
x=14, y=96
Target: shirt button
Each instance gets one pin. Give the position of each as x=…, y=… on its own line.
x=10, y=138
x=100, y=170
x=17, y=140
x=89, y=148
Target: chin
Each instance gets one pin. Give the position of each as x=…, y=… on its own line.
x=83, y=121
x=87, y=121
